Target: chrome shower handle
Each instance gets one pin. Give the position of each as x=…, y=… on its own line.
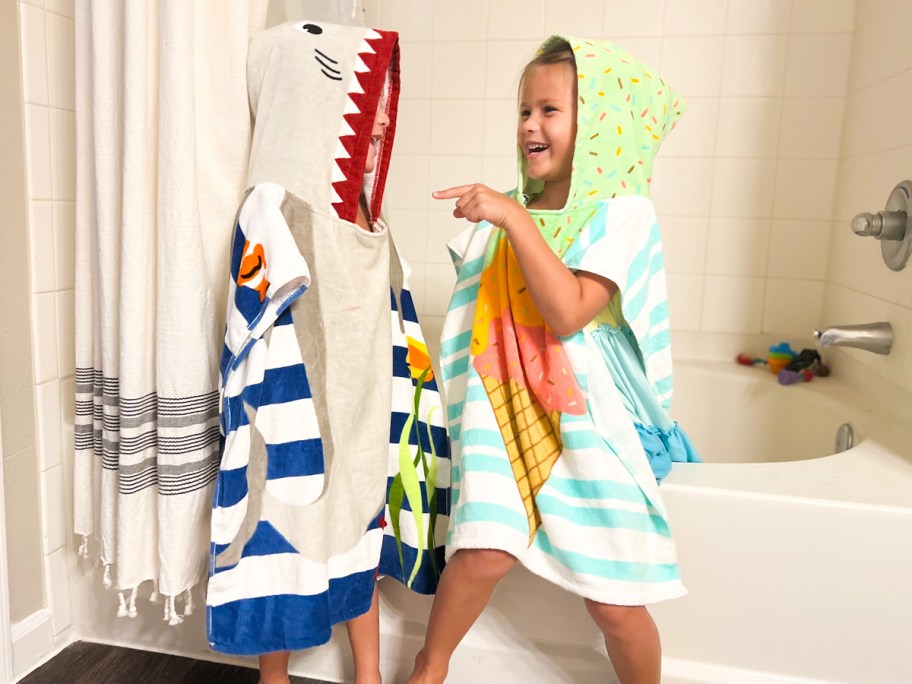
x=892, y=226
x=884, y=225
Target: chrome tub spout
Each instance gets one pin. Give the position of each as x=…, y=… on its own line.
x=872, y=337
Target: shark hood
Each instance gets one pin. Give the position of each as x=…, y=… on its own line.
x=314, y=90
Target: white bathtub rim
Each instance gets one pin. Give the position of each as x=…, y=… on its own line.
x=870, y=475
x=876, y=472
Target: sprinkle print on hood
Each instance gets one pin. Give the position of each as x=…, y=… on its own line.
x=624, y=112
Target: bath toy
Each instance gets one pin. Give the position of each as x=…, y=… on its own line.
x=790, y=377
x=782, y=349
x=806, y=359
x=779, y=356
x=748, y=360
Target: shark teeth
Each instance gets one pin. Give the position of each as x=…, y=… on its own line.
x=350, y=107
x=341, y=152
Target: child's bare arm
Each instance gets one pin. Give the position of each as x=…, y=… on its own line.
x=566, y=300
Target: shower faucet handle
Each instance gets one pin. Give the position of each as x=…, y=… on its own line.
x=863, y=224
x=892, y=226
x=884, y=225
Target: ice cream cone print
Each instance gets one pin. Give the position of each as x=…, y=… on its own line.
x=531, y=437
x=525, y=373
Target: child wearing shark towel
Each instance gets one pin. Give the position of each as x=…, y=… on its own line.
x=335, y=466
x=556, y=362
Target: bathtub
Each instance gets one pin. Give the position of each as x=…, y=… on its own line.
x=798, y=560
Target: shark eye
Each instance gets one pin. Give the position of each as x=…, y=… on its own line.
x=312, y=29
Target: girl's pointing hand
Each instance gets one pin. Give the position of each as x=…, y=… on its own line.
x=478, y=202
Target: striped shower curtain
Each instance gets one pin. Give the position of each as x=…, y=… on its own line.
x=162, y=140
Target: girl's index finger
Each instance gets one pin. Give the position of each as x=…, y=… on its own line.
x=451, y=193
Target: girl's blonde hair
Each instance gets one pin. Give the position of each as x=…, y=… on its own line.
x=557, y=52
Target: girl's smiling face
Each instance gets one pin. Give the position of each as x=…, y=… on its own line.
x=547, y=121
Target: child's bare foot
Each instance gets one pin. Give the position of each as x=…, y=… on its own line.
x=424, y=673
x=272, y=679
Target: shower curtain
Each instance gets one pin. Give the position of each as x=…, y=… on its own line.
x=162, y=141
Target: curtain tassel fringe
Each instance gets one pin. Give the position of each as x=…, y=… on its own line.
x=188, y=603
x=155, y=597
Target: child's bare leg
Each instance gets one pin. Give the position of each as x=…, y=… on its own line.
x=274, y=667
x=364, y=635
x=465, y=589
x=632, y=640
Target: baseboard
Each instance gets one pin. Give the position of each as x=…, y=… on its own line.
x=34, y=642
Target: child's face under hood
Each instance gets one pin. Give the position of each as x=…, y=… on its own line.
x=381, y=123
x=547, y=122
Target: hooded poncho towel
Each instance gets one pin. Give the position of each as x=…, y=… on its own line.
x=558, y=443
x=335, y=465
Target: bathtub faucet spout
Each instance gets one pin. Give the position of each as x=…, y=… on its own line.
x=872, y=337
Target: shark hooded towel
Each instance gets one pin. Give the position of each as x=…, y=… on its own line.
x=335, y=465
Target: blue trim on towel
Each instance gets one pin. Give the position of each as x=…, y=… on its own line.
x=274, y=623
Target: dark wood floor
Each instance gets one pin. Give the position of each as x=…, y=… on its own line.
x=86, y=663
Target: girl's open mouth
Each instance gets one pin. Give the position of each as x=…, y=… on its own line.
x=534, y=150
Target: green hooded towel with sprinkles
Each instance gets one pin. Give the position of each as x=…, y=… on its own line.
x=559, y=442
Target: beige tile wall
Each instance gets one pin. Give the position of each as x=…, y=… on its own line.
x=48, y=102
x=744, y=187
x=876, y=154
x=20, y=464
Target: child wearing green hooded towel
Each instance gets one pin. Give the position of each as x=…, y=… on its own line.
x=557, y=366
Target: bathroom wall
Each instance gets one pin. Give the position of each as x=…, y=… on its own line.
x=20, y=465
x=47, y=108
x=744, y=187
x=876, y=153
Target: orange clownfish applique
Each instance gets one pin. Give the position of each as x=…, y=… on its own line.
x=252, y=272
